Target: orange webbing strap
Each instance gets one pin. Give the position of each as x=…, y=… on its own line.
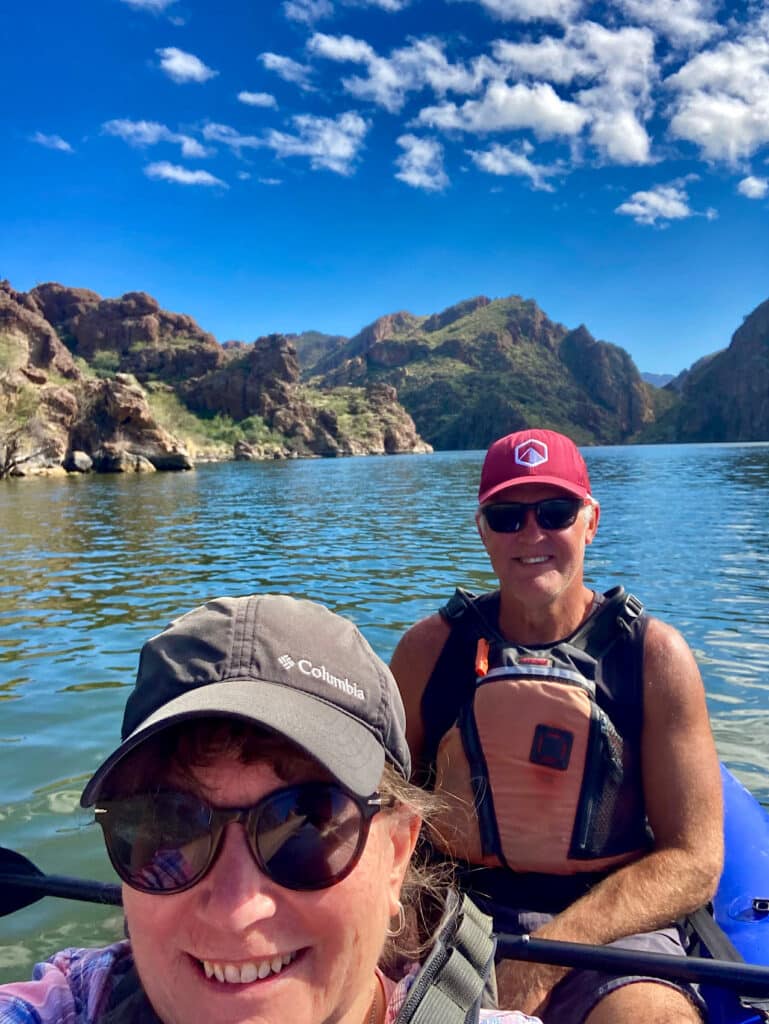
x=482, y=657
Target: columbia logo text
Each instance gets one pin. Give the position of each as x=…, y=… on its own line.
x=321, y=672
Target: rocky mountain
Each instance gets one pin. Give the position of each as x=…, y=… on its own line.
x=121, y=384
x=118, y=384
x=725, y=396
x=484, y=367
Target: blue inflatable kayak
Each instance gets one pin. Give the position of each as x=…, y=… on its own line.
x=741, y=904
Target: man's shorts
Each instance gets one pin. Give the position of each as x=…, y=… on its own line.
x=574, y=997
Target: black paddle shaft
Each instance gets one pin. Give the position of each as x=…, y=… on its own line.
x=22, y=884
x=747, y=979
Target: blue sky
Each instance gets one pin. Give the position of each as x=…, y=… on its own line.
x=313, y=164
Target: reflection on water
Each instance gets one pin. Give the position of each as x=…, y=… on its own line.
x=93, y=566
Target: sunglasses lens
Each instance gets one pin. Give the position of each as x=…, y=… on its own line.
x=159, y=842
x=310, y=836
x=552, y=514
x=505, y=518
x=303, y=837
x=557, y=513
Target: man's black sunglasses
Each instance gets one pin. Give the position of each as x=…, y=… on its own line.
x=303, y=837
x=551, y=514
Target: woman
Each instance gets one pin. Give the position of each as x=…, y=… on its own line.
x=259, y=815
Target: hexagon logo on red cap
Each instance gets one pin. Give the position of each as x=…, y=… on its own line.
x=531, y=452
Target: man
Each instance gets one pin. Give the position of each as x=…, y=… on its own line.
x=662, y=853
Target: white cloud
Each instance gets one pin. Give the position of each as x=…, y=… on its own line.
x=685, y=23
x=150, y=133
x=183, y=67
x=561, y=11
x=410, y=68
x=662, y=203
x=619, y=136
x=149, y=5
x=165, y=171
x=330, y=143
x=502, y=160
x=257, y=99
x=753, y=188
x=421, y=163
x=722, y=101
x=270, y=181
x=52, y=142
x=307, y=11
x=385, y=5
x=507, y=108
x=289, y=70
x=222, y=133
x=617, y=71
x=342, y=48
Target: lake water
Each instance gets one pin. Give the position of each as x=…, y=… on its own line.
x=93, y=566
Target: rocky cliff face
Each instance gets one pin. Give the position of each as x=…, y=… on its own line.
x=253, y=382
x=28, y=340
x=146, y=340
x=50, y=409
x=724, y=397
x=609, y=375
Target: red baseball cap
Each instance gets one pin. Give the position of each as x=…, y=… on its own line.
x=533, y=456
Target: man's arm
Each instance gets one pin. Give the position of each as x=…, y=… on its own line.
x=682, y=789
x=412, y=665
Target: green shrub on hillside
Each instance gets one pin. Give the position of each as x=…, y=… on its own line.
x=105, y=362
x=207, y=435
x=355, y=417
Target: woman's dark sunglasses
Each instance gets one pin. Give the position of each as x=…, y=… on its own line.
x=551, y=514
x=308, y=836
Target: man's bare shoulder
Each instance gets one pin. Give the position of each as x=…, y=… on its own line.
x=419, y=647
x=669, y=664
x=430, y=632
x=412, y=664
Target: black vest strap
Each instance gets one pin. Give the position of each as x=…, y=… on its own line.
x=450, y=983
x=614, y=616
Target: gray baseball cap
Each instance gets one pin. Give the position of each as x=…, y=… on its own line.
x=288, y=664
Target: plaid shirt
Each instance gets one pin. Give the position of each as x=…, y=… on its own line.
x=75, y=986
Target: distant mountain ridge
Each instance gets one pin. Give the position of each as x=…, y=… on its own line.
x=483, y=367
x=121, y=383
x=657, y=380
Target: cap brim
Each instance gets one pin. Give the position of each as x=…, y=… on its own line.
x=339, y=742
x=519, y=481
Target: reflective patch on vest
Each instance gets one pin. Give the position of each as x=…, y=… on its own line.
x=551, y=747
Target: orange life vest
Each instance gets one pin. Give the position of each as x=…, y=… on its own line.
x=533, y=771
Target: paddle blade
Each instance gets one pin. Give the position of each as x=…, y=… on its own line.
x=22, y=884
x=14, y=896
